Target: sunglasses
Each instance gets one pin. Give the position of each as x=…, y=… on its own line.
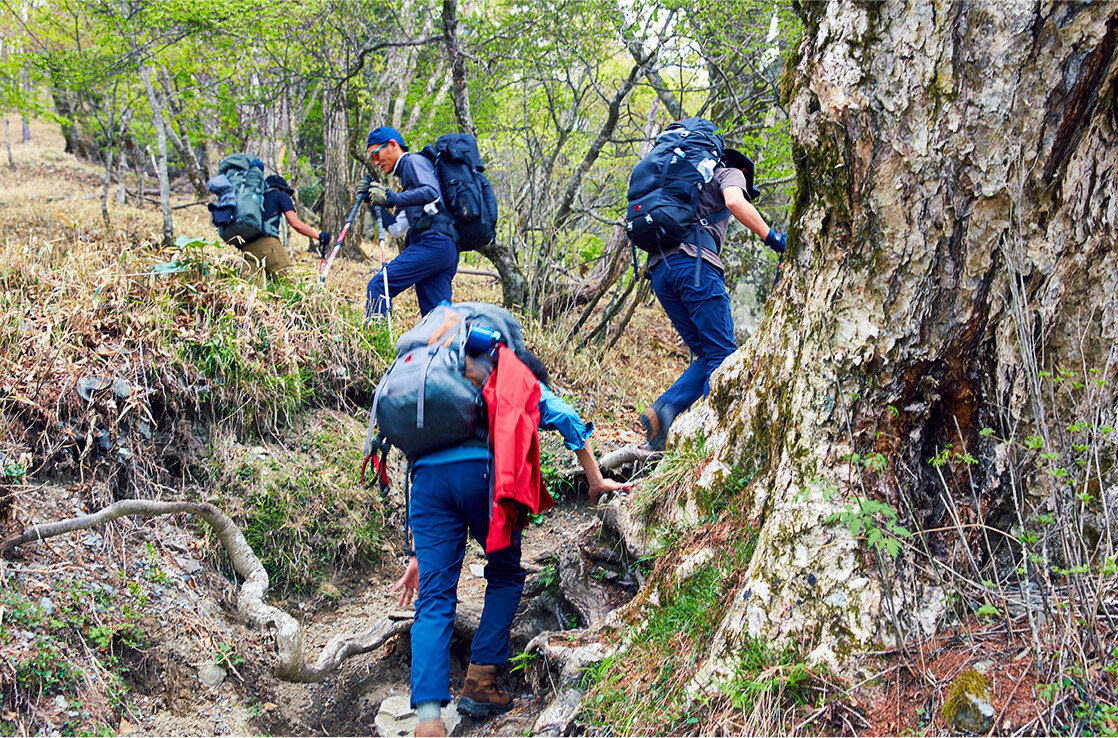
x=376, y=151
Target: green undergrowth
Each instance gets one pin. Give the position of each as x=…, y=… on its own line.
x=300, y=504
x=183, y=336
x=73, y=654
x=642, y=689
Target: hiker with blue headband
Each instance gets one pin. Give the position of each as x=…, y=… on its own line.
x=429, y=258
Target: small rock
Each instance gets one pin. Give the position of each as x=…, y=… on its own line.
x=967, y=707
x=397, y=718
x=478, y=570
x=211, y=674
x=188, y=564
x=88, y=385
x=46, y=605
x=60, y=702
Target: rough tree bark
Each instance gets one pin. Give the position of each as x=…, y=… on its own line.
x=161, y=169
x=956, y=173
x=335, y=133
x=457, y=67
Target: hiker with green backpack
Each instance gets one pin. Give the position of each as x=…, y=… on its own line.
x=247, y=213
x=460, y=375
x=680, y=199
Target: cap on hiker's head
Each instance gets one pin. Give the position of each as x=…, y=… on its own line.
x=256, y=163
x=737, y=160
x=383, y=135
x=276, y=182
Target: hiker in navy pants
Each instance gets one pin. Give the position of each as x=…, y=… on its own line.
x=700, y=309
x=450, y=499
x=430, y=256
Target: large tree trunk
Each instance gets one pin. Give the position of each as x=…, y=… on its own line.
x=457, y=67
x=955, y=223
x=335, y=133
x=161, y=142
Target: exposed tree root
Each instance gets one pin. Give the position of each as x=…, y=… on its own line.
x=291, y=664
x=617, y=458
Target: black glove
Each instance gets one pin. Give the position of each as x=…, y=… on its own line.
x=324, y=239
x=363, y=188
x=777, y=241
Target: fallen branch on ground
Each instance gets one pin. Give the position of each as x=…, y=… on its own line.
x=291, y=664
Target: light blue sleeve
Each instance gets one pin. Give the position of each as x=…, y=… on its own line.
x=557, y=415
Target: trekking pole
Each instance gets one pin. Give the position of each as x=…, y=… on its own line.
x=384, y=266
x=324, y=266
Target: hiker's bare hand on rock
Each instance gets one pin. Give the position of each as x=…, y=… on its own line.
x=608, y=485
x=407, y=584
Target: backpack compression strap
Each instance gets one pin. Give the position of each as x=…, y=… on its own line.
x=701, y=235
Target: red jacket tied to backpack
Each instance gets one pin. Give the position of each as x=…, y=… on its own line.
x=513, y=396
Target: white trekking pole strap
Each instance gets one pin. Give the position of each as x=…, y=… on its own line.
x=384, y=267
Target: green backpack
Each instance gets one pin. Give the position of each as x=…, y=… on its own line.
x=243, y=202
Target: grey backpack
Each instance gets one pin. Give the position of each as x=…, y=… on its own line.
x=424, y=401
x=239, y=211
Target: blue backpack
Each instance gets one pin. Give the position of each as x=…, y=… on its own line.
x=664, y=186
x=467, y=194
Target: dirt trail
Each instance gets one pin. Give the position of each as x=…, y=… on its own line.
x=199, y=670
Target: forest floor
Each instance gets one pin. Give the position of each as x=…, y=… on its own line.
x=162, y=572
x=159, y=647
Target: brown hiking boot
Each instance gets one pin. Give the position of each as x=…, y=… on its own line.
x=656, y=422
x=430, y=728
x=481, y=696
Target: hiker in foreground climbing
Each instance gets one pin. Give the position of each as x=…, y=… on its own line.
x=430, y=257
x=683, y=261
x=450, y=499
x=247, y=213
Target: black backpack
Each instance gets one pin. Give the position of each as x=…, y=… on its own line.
x=467, y=195
x=664, y=186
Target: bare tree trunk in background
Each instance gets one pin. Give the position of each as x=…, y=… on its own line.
x=182, y=143
x=105, y=185
x=23, y=118
x=121, y=167
x=605, y=133
x=457, y=67
x=514, y=286
x=8, y=145
x=335, y=135
x=614, y=259
x=24, y=14
x=75, y=144
x=161, y=169
x=652, y=74
x=953, y=231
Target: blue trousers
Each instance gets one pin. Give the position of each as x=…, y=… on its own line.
x=449, y=501
x=429, y=263
x=701, y=316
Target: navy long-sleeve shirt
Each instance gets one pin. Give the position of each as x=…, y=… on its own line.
x=420, y=189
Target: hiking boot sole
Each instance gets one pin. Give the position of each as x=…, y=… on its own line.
x=476, y=709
